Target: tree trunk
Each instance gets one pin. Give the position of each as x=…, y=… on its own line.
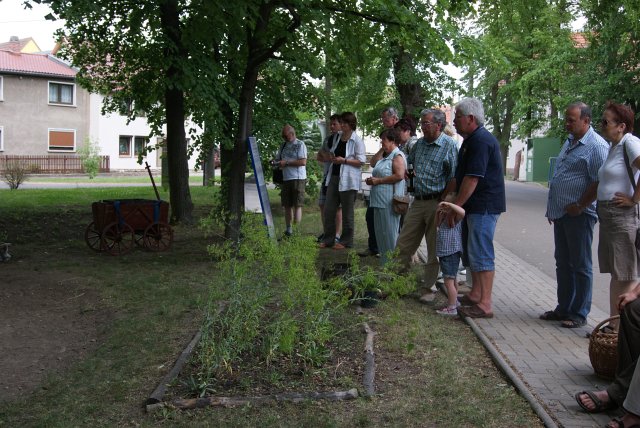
x=235, y=201
x=411, y=93
x=180, y=196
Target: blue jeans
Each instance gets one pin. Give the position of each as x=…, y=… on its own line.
x=449, y=265
x=573, y=237
x=477, y=241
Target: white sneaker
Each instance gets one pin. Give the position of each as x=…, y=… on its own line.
x=447, y=311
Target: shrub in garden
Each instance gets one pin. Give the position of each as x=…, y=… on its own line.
x=15, y=174
x=90, y=156
x=276, y=310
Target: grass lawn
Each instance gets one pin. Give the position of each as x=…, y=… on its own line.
x=145, y=307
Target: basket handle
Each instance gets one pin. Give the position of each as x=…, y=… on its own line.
x=615, y=317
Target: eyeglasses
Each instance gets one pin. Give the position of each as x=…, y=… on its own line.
x=606, y=122
x=427, y=123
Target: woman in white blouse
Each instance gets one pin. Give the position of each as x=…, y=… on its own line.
x=618, y=197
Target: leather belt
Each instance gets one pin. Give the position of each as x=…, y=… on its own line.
x=427, y=197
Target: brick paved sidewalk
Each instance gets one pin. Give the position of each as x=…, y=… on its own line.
x=550, y=361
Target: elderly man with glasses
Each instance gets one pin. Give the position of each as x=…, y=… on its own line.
x=434, y=158
x=480, y=187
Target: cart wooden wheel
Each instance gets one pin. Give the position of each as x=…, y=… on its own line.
x=138, y=238
x=117, y=238
x=92, y=237
x=158, y=237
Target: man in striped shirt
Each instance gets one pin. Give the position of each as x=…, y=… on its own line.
x=434, y=157
x=571, y=210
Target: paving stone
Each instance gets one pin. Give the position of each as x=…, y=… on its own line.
x=551, y=360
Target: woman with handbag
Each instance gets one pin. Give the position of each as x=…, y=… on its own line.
x=387, y=184
x=618, y=197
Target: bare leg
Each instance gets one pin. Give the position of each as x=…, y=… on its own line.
x=486, y=288
x=452, y=291
x=298, y=215
x=476, y=285
x=288, y=215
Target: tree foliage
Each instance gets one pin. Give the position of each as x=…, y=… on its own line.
x=247, y=67
x=517, y=62
x=611, y=59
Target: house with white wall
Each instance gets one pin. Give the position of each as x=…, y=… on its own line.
x=44, y=112
x=42, y=109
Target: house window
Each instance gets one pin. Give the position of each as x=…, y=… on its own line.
x=1, y=89
x=62, y=140
x=124, y=146
x=1, y=138
x=139, y=143
x=61, y=93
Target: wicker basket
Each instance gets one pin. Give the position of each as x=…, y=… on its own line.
x=603, y=350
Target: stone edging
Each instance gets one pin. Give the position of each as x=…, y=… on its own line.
x=155, y=401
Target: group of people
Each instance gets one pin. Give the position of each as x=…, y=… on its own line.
x=461, y=227
x=458, y=196
x=596, y=179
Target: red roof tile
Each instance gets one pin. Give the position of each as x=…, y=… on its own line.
x=16, y=45
x=33, y=64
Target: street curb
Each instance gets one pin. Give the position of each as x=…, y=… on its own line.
x=502, y=364
x=548, y=421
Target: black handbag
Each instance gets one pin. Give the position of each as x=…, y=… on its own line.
x=278, y=176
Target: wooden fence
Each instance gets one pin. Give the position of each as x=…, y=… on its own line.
x=51, y=164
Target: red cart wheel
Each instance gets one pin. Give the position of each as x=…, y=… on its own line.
x=92, y=237
x=158, y=237
x=117, y=238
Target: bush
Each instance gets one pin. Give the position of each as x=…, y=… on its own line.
x=15, y=174
x=276, y=309
x=90, y=155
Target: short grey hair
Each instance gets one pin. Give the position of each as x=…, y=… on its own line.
x=438, y=116
x=585, y=110
x=471, y=107
x=391, y=111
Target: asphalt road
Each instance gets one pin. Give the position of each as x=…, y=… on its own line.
x=524, y=230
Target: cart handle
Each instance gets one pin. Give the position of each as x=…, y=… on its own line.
x=148, y=168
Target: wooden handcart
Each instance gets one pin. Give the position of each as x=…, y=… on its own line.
x=119, y=225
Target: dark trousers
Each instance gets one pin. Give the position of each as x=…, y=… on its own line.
x=628, y=351
x=573, y=237
x=372, y=242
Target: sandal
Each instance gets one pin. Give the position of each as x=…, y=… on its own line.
x=619, y=423
x=573, y=323
x=466, y=301
x=474, y=311
x=550, y=316
x=599, y=405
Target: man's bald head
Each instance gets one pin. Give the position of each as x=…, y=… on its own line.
x=288, y=133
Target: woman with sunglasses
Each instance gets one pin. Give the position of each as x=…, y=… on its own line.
x=618, y=198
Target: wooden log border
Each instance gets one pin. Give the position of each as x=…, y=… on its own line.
x=155, y=401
